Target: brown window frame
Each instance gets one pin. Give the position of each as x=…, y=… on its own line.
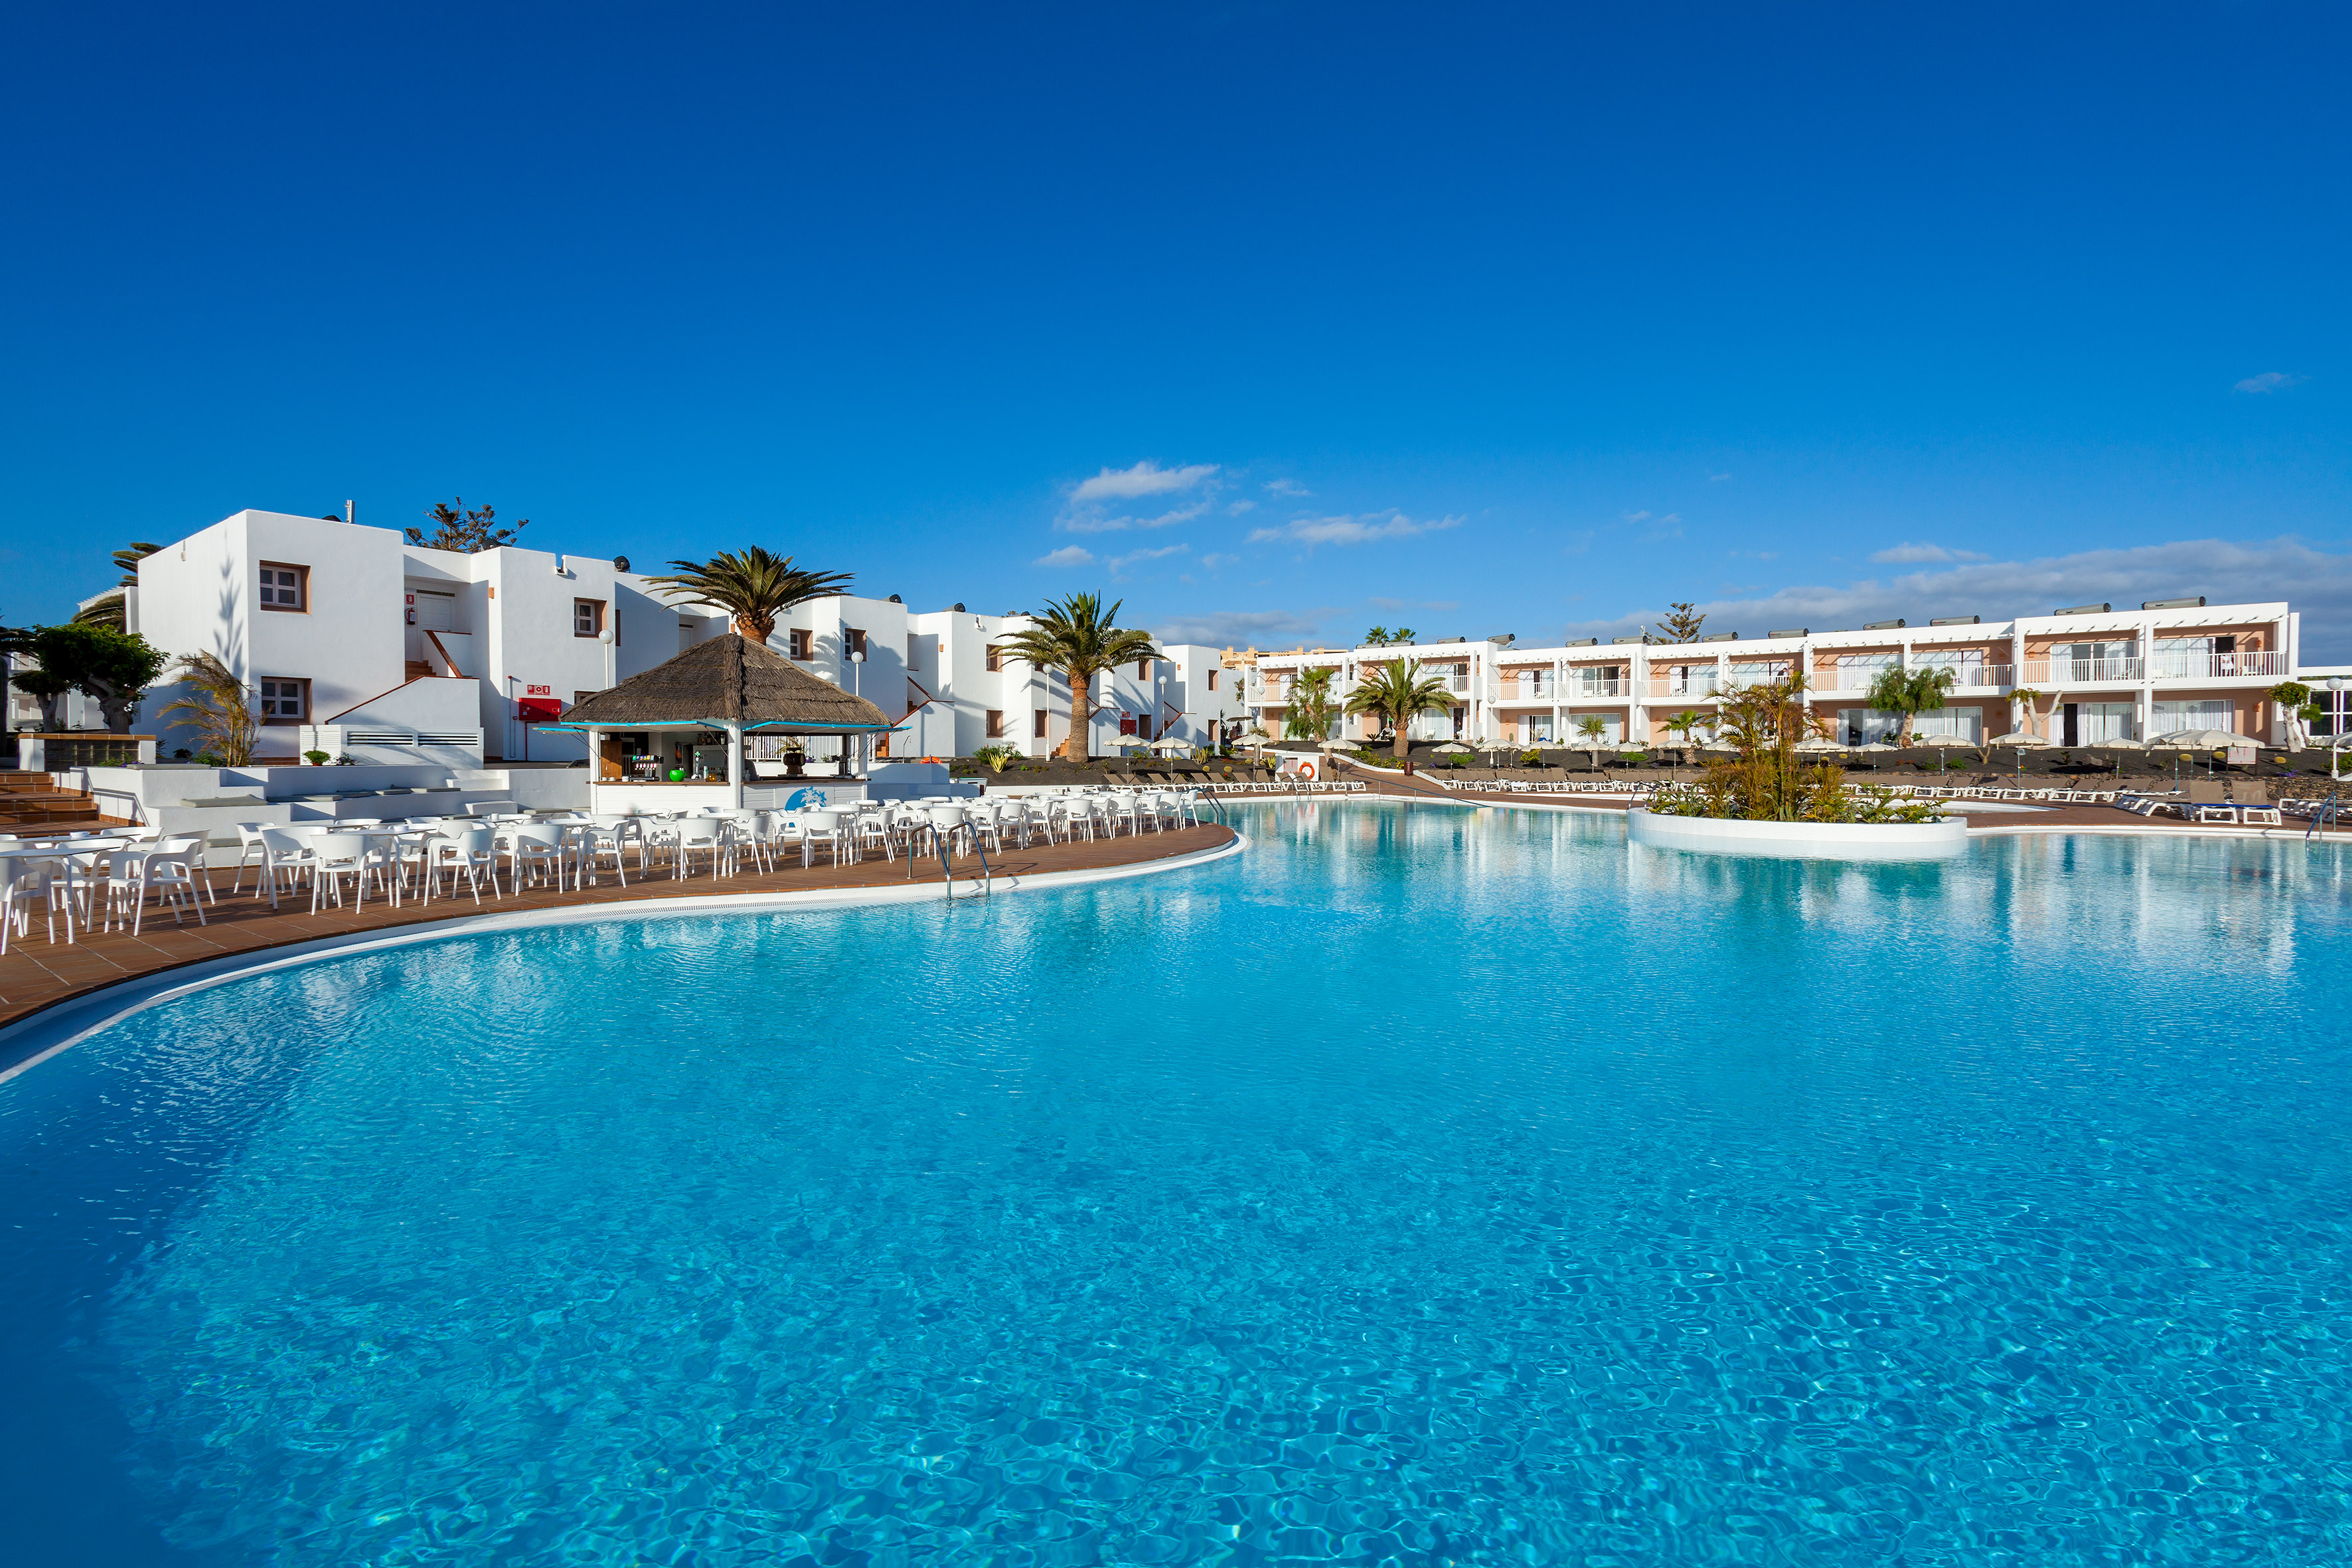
x=1142, y=669
x=301, y=587
x=853, y=640
x=802, y=643
x=264, y=697
x=996, y=723
x=995, y=659
x=1039, y=732
x=596, y=626
x=1212, y=680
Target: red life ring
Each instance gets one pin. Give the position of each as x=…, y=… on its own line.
x=1306, y=769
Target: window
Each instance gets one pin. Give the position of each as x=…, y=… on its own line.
x=1212, y=680
x=996, y=723
x=1142, y=669
x=1143, y=726
x=587, y=617
x=285, y=587
x=853, y=641
x=804, y=643
x=995, y=658
x=1040, y=731
x=285, y=700
x=435, y=611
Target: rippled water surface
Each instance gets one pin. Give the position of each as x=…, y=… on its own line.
x=1424, y=1187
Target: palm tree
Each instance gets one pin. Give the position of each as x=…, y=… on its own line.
x=1311, y=709
x=1686, y=723
x=1907, y=694
x=217, y=709
x=1397, y=693
x=1079, y=637
x=1594, y=731
x=753, y=588
x=110, y=610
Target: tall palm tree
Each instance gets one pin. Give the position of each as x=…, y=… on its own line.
x=110, y=610
x=1081, y=638
x=1397, y=693
x=1308, y=717
x=753, y=587
x=1906, y=694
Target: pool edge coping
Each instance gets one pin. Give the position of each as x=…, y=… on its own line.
x=26, y=1043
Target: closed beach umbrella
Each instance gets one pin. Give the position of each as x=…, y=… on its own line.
x=2205, y=740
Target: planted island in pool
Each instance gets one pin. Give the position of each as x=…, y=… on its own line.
x=1766, y=799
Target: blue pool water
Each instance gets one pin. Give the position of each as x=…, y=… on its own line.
x=1424, y=1187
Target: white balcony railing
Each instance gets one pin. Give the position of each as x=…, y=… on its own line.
x=1592, y=690
x=1698, y=686
x=2082, y=672
x=1965, y=677
x=2218, y=667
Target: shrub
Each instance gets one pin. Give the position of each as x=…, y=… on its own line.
x=316, y=759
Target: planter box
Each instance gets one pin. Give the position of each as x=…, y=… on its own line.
x=1802, y=840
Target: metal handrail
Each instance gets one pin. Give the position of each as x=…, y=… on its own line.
x=2328, y=811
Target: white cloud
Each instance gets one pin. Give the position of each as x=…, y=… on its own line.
x=1119, y=562
x=2225, y=571
x=1287, y=488
x=1717, y=478
x=1145, y=478
x=1667, y=527
x=1089, y=523
x=1906, y=553
x=1350, y=530
x=1068, y=555
x=2270, y=381
x=1240, y=506
x=1217, y=563
x=1240, y=628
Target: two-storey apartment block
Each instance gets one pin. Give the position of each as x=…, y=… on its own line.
x=2081, y=676
x=352, y=640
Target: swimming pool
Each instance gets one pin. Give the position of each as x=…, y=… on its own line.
x=1425, y=1185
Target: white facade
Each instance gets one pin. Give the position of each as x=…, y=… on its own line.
x=2098, y=674
x=372, y=647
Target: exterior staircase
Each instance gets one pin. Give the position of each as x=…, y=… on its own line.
x=419, y=670
x=34, y=800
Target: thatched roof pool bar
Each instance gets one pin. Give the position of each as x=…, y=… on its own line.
x=730, y=684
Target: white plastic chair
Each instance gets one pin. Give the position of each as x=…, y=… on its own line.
x=474, y=851
x=27, y=879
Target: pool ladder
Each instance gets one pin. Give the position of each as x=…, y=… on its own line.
x=941, y=844
x=2329, y=811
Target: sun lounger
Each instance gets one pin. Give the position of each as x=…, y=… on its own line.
x=2207, y=802
x=2253, y=799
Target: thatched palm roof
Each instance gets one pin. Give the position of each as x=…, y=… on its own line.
x=729, y=679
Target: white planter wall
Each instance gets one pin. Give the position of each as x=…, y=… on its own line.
x=1802, y=840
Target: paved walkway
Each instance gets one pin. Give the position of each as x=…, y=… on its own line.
x=35, y=974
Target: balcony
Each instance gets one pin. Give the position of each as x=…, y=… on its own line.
x=2063, y=672
x=1699, y=685
x=2218, y=667
x=1528, y=691
x=1965, y=677
x=1594, y=690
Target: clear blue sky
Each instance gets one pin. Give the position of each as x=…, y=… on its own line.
x=1473, y=319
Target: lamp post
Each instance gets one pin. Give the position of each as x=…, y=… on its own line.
x=2335, y=686
x=856, y=679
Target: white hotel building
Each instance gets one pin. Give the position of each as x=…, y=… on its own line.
x=2101, y=673
x=360, y=643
